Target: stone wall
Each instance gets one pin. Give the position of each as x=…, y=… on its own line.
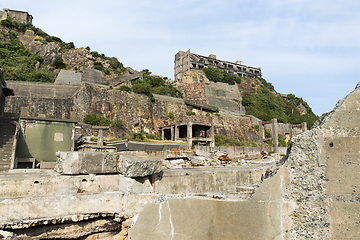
x=137, y=111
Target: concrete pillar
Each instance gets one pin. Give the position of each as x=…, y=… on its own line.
x=162, y=134
x=304, y=126
x=261, y=133
x=176, y=132
x=189, y=134
x=172, y=133
x=100, y=141
x=275, y=139
x=212, y=143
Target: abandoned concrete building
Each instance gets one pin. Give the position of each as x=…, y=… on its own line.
x=186, y=61
x=198, y=133
x=16, y=15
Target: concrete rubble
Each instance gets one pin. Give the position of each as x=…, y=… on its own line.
x=7, y=235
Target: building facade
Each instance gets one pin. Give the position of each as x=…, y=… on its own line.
x=186, y=61
x=15, y=15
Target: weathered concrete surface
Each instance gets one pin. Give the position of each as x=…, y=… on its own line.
x=130, y=165
x=41, y=138
x=190, y=218
x=224, y=96
x=68, y=77
x=37, y=196
x=207, y=180
x=144, y=146
x=321, y=177
x=314, y=193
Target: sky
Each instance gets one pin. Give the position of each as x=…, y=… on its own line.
x=304, y=47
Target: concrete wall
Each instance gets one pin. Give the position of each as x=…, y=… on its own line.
x=224, y=96
x=238, y=150
x=42, y=138
x=196, y=218
x=42, y=90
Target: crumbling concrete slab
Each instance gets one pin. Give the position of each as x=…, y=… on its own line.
x=105, y=162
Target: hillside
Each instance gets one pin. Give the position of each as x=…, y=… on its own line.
x=262, y=101
x=29, y=54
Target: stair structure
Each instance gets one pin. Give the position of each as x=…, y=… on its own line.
x=8, y=138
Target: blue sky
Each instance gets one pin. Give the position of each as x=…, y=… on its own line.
x=308, y=48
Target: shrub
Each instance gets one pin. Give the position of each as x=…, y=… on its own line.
x=95, y=54
x=281, y=140
x=190, y=113
x=98, y=66
x=143, y=89
x=69, y=45
x=115, y=64
x=124, y=88
x=6, y=22
x=218, y=75
x=171, y=116
x=118, y=123
x=38, y=58
x=59, y=63
x=107, y=72
x=138, y=136
x=96, y=120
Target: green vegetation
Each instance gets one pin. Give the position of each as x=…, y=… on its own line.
x=15, y=58
x=190, y=113
x=171, y=116
x=124, y=88
x=218, y=75
x=18, y=63
x=117, y=66
x=59, y=63
x=118, y=123
x=98, y=66
x=221, y=140
x=266, y=104
x=281, y=141
x=154, y=84
x=96, y=120
x=46, y=38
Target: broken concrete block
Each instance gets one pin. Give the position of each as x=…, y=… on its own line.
x=139, y=165
x=197, y=160
x=130, y=165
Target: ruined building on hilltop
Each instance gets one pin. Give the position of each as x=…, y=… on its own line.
x=15, y=15
x=186, y=61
